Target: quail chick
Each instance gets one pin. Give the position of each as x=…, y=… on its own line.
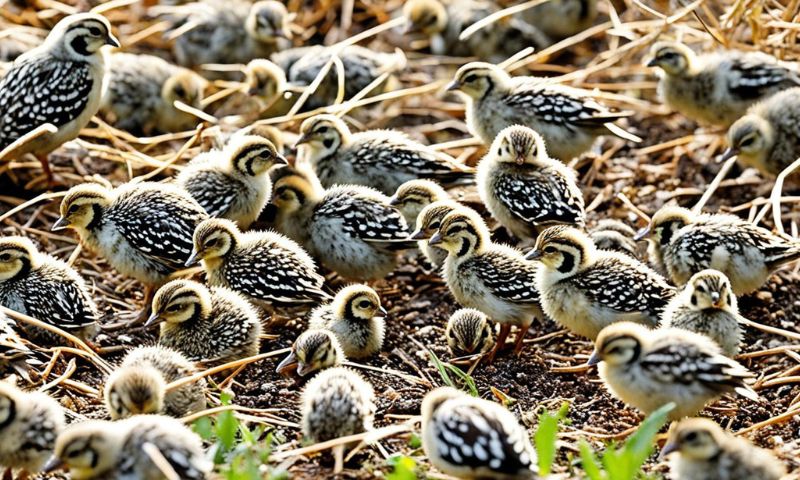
x=351, y=229
x=614, y=235
x=414, y=195
x=444, y=21
x=337, y=402
x=352, y=317
x=707, y=305
x=266, y=83
x=213, y=326
x=142, y=91
x=559, y=19
x=492, y=278
x=702, y=450
x=269, y=132
x=266, y=267
x=686, y=243
x=472, y=438
x=585, y=289
x=144, y=229
x=362, y=66
x=717, y=88
x=45, y=288
x=101, y=450
x=768, y=137
x=382, y=159
x=428, y=222
x=651, y=368
x=233, y=183
x=526, y=190
x=568, y=119
x=29, y=425
x=469, y=332
x=315, y=349
x=229, y=32
x=59, y=82
x=138, y=386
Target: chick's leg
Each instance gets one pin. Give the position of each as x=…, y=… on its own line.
x=501, y=341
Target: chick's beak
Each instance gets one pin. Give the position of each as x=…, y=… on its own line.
x=436, y=239
x=383, y=311
x=112, y=40
x=193, y=258
x=304, y=369
x=52, y=465
x=642, y=233
x=394, y=201
x=288, y=364
x=668, y=448
x=715, y=300
x=280, y=159
x=653, y=62
x=454, y=85
x=60, y=224
x=417, y=235
x=520, y=159
x=594, y=359
x=728, y=154
x=304, y=138
x=151, y=319
x=534, y=254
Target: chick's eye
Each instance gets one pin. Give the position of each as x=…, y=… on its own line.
x=73, y=453
x=690, y=437
x=747, y=142
x=364, y=304
x=436, y=225
x=94, y=31
x=322, y=130
x=550, y=249
x=470, y=78
x=173, y=308
x=73, y=209
x=5, y=257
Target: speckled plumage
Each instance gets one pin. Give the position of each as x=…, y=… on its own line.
x=768, y=137
x=717, y=88
x=137, y=386
x=444, y=21
x=568, y=119
x=29, y=425
x=210, y=325
x=494, y=279
x=708, y=306
x=229, y=32
x=428, y=222
x=414, y=195
x=351, y=229
x=686, y=243
x=43, y=287
x=702, y=450
x=141, y=92
x=101, y=450
x=144, y=229
x=585, y=289
x=315, y=349
x=353, y=317
x=266, y=267
x=469, y=332
x=523, y=188
x=14, y=353
x=362, y=66
x=233, y=183
x=473, y=438
x=650, y=368
x=337, y=402
x=614, y=235
x=381, y=159
x=58, y=82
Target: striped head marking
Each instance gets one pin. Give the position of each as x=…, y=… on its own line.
x=291, y=190
x=268, y=21
x=420, y=192
x=468, y=332
x=80, y=36
x=87, y=449
x=316, y=350
x=477, y=79
x=461, y=233
x=710, y=289
x=323, y=134
x=264, y=79
x=357, y=302
x=180, y=301
x=619, y=343
x=697, y=439
x=213, y=238
x=184, y=86
x=253, y=155
x=672, y=57
x=430, y=218
x=668, y=220
x=134, y=391
x=83, y=206
x=17, y=256
x=563, y=249
x=518, y=144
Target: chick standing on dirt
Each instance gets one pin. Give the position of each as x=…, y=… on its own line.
x=233, y=183
x=717, y=88
x=492, y=278
x=381, y=159
x=351, y=229
x=472, y=438
x=585, y=289
x=568, y=119
x=268, y=268
x=142, y=92
x=525, y=189
x=768, y=137
x=707, y=305
x=684, y=243
x=59, y=82
x=47, y=289
x=352, y=317
x=144, y=229
x=138, y=386
x=212, y=325
x=699, y=449
x=336, y=403
x=414, y=195
x=29, y=425
x=469, y=332
x=315, y=349
x=100, y=450
x=651, y=368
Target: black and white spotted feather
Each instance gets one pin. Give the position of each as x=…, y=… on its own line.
x=504, y=274
x=214, y=190
x=29, y=429
x=540, y=197
x=41, y=89
x=754, y=76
